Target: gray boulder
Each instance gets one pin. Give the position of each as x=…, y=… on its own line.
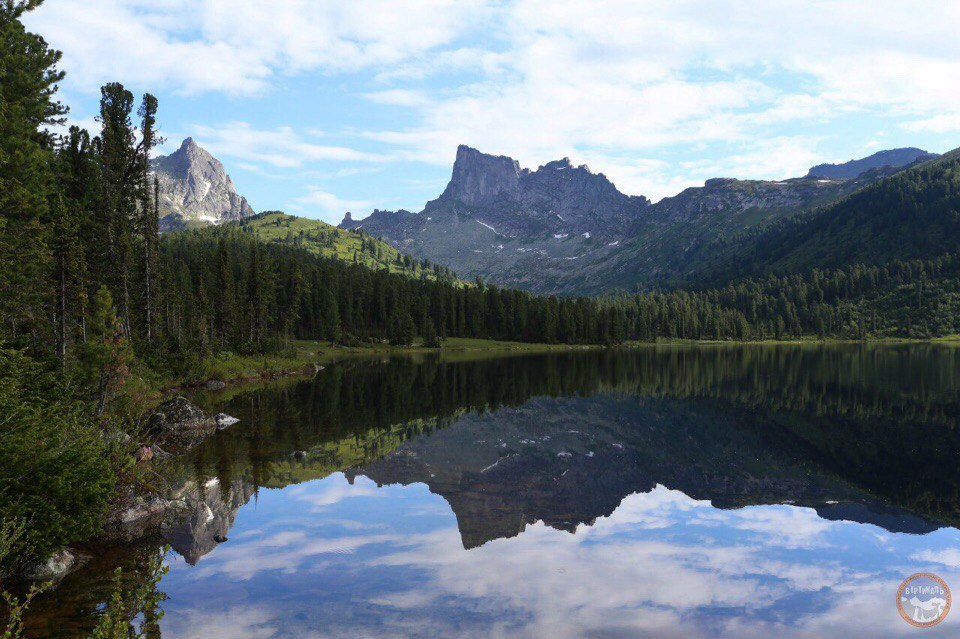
x=179, y=425
x=215, y=385
x=54, y=568
x=180, y=414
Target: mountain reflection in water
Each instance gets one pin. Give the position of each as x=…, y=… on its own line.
x=709, y=491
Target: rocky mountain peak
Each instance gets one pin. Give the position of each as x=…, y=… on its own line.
x=557, y=198
x=557, y=165
x=478, y=176
x=196, y=189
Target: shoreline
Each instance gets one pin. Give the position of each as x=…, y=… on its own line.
x=308, y=356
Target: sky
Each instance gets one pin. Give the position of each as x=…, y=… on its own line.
x=317, y=107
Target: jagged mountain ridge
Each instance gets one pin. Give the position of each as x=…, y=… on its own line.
x=890, y=158
x=195, y=189
x=556, y=198
x=564, y=229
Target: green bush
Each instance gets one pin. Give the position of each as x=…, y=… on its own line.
x=55, y=470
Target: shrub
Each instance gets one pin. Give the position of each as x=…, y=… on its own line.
x=55, y=471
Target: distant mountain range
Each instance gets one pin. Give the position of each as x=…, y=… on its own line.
x=854, y=168
x=195, y=189
x=565, y=229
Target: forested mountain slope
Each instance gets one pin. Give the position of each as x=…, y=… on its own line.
x=912, y=215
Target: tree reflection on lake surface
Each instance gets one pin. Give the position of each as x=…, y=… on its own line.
x=656, y=492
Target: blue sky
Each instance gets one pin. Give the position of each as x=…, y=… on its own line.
x=317, y=107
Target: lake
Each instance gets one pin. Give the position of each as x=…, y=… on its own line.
x=711, y=491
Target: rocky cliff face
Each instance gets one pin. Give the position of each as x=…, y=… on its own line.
x=565, y=229
x=493, y=192
x=195, y=189
x=207, y=513
x=557, y=198
x=478, y=178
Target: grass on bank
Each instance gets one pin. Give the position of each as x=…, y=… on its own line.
x=952, y=340
x=304, y=354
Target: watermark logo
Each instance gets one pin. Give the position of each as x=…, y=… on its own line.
x=923, y=600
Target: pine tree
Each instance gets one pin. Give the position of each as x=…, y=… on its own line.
x=119, y=162
x=430, y=338
x=149, y=210
x=28, y=82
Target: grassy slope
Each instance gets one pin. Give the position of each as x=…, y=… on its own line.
x=329, y=241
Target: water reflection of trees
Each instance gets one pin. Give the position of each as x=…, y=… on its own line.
x=884, y=417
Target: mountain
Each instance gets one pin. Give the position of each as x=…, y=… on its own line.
x=914, y=214
x=556, y=198
x=565, y=229
x=195, y=189
x=890, y=158
x=504, y=223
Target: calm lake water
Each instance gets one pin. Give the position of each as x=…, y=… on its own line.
x=659, y=492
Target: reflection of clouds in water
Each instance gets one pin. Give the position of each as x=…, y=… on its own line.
x=328, y=493
x=949, y=557
x=658, y=509
x=569, y=586
x=285, y=551
x=240, y=622
x=786, y=526
x=572, y=586
x=661, y=565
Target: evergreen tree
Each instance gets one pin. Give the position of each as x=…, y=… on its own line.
x=28, y=83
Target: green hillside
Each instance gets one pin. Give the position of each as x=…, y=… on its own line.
x=912, y=215
x=326, y=240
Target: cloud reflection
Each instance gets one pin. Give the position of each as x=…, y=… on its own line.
x=661, y=565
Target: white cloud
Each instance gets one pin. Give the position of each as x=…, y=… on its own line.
x=948, y=557
x=326, y=206
x=333, y=491
x=602, y=80
x=282, y=147
x=238, y=622
x=239, y=46
x=283, y=552
x=613, y=82
x=944, y=123
x=400, y=97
